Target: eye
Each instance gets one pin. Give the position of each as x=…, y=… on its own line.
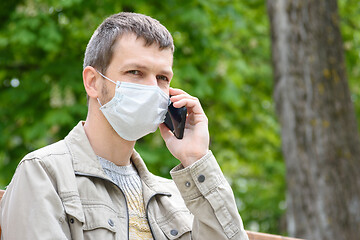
x=162, y=77
x=134, y=72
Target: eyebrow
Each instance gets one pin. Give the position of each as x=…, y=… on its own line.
x=140, y=66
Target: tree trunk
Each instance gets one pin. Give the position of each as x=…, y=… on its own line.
x=320, y=139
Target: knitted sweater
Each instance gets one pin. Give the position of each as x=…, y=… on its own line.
x=128, y=179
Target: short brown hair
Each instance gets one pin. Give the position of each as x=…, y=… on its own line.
x=99, y=50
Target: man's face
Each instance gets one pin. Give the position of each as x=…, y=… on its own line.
x=134, y=62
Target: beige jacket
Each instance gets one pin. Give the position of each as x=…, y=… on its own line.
x=62, y=192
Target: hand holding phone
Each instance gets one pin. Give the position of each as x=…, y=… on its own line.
x=175, y=120
x=195, y=142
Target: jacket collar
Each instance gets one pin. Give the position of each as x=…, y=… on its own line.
x=151, y=185
x=86, y=162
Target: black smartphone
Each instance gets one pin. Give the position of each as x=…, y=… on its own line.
x=175, y=120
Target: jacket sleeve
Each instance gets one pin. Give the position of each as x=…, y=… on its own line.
x=210, y=199
x=31, y=207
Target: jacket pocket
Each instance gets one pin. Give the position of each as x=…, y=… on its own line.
x=75, y=217
x=101, y=222
x=177, y=226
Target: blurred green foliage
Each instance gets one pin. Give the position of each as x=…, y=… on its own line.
x=222, y=56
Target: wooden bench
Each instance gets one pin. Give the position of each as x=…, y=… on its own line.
x=252, y=235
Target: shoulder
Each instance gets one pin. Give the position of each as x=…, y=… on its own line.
x=56, y=149
x=48, y=168
x=53, y=159
x=164, y=184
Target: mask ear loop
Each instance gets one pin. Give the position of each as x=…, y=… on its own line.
x=99, y=102
x=105, y=77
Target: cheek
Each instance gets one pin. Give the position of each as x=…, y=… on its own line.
x=165, y=88
x=106, y=93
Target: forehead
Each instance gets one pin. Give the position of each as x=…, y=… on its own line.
x=129, y=46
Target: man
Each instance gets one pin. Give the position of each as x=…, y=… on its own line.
x=93, y=184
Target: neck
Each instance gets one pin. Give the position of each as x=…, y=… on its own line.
x=105, y=142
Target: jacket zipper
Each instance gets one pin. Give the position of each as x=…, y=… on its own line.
x=147, y=210
x=127, y=209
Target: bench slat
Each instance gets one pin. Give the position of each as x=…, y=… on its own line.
x=266, y=236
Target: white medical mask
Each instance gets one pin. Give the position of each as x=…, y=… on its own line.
x=136, y=110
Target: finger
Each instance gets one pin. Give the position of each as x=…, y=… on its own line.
x=192, y=104
x=176, y=91
x=181, y=96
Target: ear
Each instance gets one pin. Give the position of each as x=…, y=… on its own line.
x=90, y=77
